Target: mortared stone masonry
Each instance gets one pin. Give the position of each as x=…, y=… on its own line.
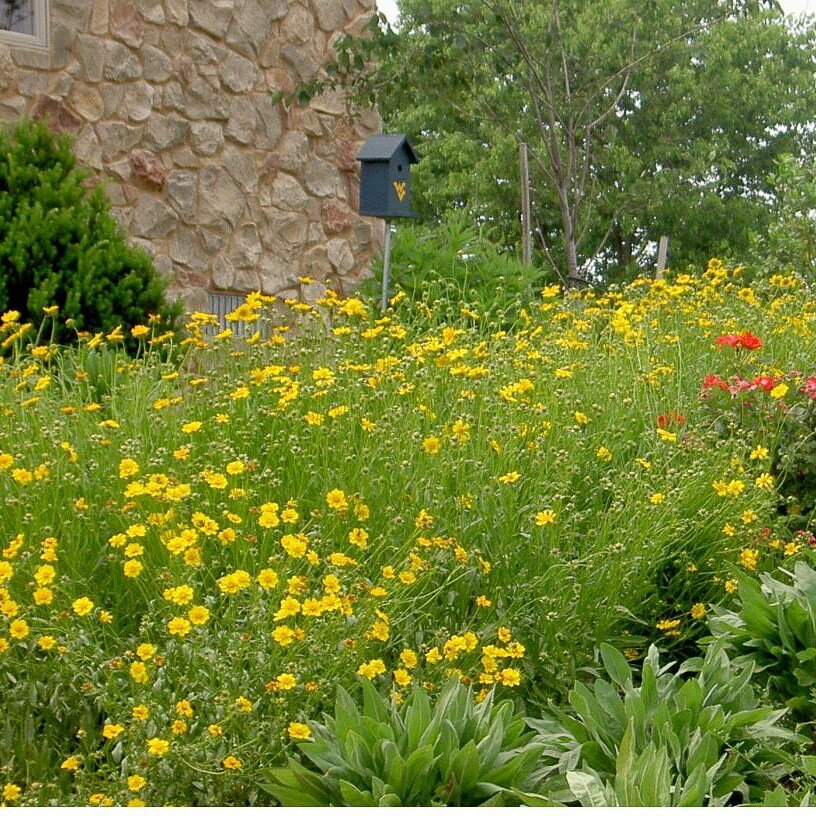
x=172, y=104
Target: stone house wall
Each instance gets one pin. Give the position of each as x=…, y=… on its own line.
x=172, y=102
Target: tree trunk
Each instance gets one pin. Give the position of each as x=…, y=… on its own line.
x=574, y=279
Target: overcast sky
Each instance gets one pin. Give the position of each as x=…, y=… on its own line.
x=389, y=7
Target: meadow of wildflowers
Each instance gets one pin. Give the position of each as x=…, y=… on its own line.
x=200, y=540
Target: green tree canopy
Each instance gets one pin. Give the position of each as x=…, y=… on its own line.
x=642, y=119
x=59, y=244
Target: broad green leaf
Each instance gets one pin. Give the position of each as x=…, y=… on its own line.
x=727, y=783
x=808, y=764
x=346, y=715
x=373, y=704
x=355, y=797
x=417, y=718
x=489, y=748
x=512, y=771
x=587, y=789
x=651, y=776
x=616, y=665
x=419, y=770
x=775, y=798
x=389, y=800
x=695, y=789
x=533, y=799
x=393, y=767
x=611, y=703
x=463, y=772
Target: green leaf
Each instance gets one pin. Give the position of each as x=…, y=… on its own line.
x=727, y=783
x=464, y=771
x=513, y=770
x=417, y=719
x=616, y=665
x=652, y=777
x=533, y=799
x=626, y=757
x=420, y=772
x=389, y=800
x=490, y=746
x=354, y=797
x=693, y=793
x=373, y=704
x=294, y=786
x=775, y=798
x=346, y=715
x=393, y=767
x=808, y=764
x=446, y=746
x=587, y=789
x=806, y=578
x=612, y=705
x=358, y=754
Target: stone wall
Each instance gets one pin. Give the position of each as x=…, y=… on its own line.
x=172, y=102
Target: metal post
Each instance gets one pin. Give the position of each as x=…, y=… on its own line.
x=386, y=266
x=662, y=255
x=525, y=204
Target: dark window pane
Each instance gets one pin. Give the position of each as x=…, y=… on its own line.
x=17, y=15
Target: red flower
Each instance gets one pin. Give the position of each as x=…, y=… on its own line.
x=714, y=381
x=745, y=340
x=765, y=383
x=749, y=341
x=728, y=340
x=670, y=418
x=809, y=387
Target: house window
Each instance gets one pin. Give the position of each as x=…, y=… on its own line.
x=24, y=22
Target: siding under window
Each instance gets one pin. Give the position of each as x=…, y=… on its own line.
x=221, y=304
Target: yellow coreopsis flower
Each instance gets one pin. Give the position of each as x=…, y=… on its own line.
x=371, y=669
x=431, y=445
x=336, y=500
x=82, y=606
x=545, y=517
x=198, y=615
x=299, y=731
x=112, y=730
x=179, y=627
x=157, y=747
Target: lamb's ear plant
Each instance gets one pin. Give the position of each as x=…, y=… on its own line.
x=454, y=751
x=692, y=737
x=775, y=628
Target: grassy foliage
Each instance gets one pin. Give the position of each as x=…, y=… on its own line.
x=201, y=541
x=452, y=263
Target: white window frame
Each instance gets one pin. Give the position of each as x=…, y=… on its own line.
x=39, y=39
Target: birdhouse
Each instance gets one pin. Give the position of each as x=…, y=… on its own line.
x=385, y=176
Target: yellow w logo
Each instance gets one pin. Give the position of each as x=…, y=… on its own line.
x=401, y=187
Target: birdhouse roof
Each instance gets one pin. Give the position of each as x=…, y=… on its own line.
x=383, y=147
